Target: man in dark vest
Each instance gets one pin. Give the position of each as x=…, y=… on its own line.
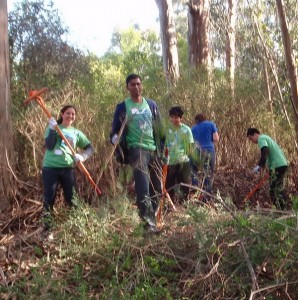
x=144, y=138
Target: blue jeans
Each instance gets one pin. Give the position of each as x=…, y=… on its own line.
x=51, y=177
x=206, y=161
x=147, y=175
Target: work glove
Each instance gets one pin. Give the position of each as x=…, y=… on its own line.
x=114, y=139
x=78, y=158
x=256, y=169
x=52, y=123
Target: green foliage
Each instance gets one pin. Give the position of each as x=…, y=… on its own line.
x=40, y=53
x=101, y=250
x=99, y=257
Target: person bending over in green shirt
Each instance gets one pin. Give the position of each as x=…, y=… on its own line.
x=272, y=156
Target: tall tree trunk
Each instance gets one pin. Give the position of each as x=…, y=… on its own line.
x=290, y=60
x=169, y=41
x=198, y=33
x=231, y=46
x=273, y=69
x=268, y=94
x=6, y=141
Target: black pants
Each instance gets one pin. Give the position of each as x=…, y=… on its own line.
x=277, y=193
x=179, y=173
x=51, y=177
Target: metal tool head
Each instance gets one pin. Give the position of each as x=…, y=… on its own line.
x=35, y=95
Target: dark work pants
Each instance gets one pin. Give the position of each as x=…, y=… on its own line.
x=277, y=193
x=51, y=177
x=179, y=173
x=147, y=175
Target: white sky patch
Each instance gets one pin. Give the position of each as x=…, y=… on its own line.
x=92, y=22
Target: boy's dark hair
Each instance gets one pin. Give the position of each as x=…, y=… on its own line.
x=176, y=111
x=200, y=118
x=252, y=131
x=131, y=77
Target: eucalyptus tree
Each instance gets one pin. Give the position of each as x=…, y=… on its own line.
x=290, y=59
x=6, y=138
x=231, y=45
x=198, y=33
x=169, y=41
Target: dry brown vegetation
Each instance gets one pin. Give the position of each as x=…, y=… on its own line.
x=99, y=251
x=194, y=258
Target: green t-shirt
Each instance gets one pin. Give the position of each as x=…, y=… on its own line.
x=178, y=140
x=276, y=157
x=139, y=124
x=60, y=156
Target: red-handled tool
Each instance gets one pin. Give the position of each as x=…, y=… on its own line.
x=164, y=191
x=259, y=184
x=35, y=95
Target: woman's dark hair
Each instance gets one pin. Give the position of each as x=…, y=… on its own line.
x=252, y=131
x=131, y=77
x=62, y=111
x=200, y=118
x=176, y=111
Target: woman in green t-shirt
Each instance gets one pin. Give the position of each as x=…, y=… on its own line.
x=58, y=163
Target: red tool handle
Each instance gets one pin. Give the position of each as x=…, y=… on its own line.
x=259, y=184
x=35, y=95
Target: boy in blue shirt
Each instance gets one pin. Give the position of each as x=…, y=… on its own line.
x=205, y=134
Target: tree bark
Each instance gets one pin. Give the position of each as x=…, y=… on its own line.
x=198, y=33
x=6, y=138
x=273, y=69
x=290, y=61
x=231, y=46
x=169, y=41
x=268, y=94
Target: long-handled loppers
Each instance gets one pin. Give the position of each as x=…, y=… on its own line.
x=35, y=95
x=258, y=185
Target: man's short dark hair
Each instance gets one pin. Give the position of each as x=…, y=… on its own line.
x=176, y=111
x=131, y=77
x=252, y=131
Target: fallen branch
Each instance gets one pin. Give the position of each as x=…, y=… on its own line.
x=250, y=268
x=271, y=287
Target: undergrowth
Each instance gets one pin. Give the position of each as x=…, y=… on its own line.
x=203, y=253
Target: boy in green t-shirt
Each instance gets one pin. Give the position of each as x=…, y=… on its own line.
x=178, y=140
x=275, y=159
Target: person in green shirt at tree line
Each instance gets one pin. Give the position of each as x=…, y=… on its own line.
x=179, y=141
x=272, y=156
x=144, y=137
x=59, y=163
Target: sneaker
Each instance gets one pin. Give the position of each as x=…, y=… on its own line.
x=151, y=229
